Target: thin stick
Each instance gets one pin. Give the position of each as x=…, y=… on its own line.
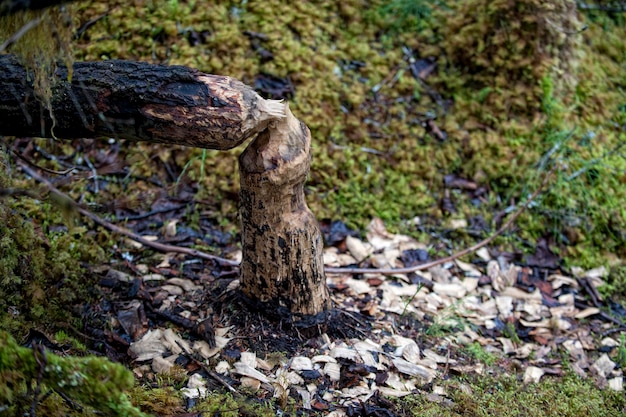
x=124, y=232
x=21, y=32
x=330, y=270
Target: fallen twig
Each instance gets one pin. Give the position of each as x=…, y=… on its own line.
x=124, y=232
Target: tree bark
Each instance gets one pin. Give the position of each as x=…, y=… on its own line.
x=136, y=101
x=282, y=264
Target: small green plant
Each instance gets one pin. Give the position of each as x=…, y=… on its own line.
x=510, y=333
x=406, y=15
x=480, y=354
x=621, y=351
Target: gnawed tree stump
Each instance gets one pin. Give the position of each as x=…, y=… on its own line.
x=282, y=263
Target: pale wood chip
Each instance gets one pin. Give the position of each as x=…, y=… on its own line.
x=301, y=363
x=483, y=253
x=358, y=249
x=412, y=369
x=196, y=387
x=153, y=277
x=358, y=286
x=161, y=365
x=247, y=370
x=532, y=375
x=440, y=274
x=333, y=370
x=504, y=303
x=248, y=358
x=149, y=346
x=470, y=284
x=616, y=384
x=172, y=289
x=390, y=392
x=560, y=280
x=410, y=352
x=344, y=352
x=186, y=284
x=599, y=272
x=428, y=353
x=604, y=365
x=264, y=365
x=174, y=343
x=249, y=382
x=323, y=359
x=330, y=257
x=394, y=381
x=222, y=367
x=452, y=290
x=469, y=269
x=508, y=347
x=521, y=294
x=233, y=285
x=590, y=311
x=207, y=351
x=609, y=342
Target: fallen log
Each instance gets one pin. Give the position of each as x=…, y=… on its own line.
x=136, y=101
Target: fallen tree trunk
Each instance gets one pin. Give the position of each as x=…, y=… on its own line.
x=282, y=266
x=136, y=101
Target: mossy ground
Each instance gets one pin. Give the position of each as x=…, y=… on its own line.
x=504, y=395
x=511, y=112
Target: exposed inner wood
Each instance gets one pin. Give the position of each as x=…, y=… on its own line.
x=282, y=245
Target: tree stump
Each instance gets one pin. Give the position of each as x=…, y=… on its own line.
x=282, y=264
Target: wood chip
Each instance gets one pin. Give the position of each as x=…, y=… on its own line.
x=333, y=370
x=301, y=363
x=588, y=312
x=359, y=250
x=412, y=369
x=604, y=365
x=247, y=370
x=532, y=375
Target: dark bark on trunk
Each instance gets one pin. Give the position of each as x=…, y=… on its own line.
x=8, y=7
x=136, y=101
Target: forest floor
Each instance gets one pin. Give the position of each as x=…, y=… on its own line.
x=414, y=160
x=459, y=339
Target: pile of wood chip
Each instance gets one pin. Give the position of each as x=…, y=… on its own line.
x=522, y=315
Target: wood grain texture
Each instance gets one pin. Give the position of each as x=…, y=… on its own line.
x=282, y=245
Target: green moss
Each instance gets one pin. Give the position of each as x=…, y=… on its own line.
x=41, y=270
x=230, y=406
x=157, y=401
x=504, y=396
x=41, y=46
x=479, y=353
x=93, y=384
